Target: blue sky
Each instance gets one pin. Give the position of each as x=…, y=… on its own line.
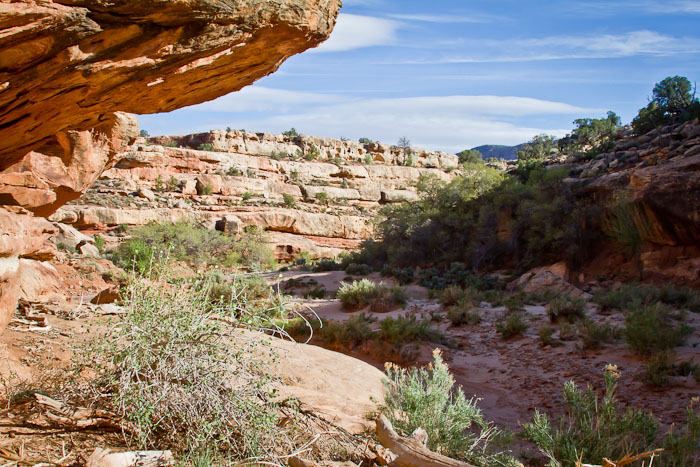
x=456, y=74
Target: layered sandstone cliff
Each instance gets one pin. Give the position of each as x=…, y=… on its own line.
x=68, y=68
x=320, y=207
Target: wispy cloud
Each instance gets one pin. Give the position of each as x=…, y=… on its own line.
x=630, y=44
x=450, y=123
x=356, y=31
x=428, y=18
x=668, y=7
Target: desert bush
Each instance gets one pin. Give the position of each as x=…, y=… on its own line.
x=593, y=334
x=205, y=147
x=204, y=189
x=175, y=368
x=593, y=428
x=402, y=275
x=512, y=325
x=380, y=297
x=546, y=335
x=406, y=329
x=451, y=295
x=322, y=197
x=316, y=292
x=514, y=303
x=172, y=184
x=289, y=201
x=355, y=269
x=649, y=329
x=568, y=308
x=324, y=265
x=355, y=331
x=682, y=444
x=196, y=245
x=427, y=398
x=100, y=243
x=630, y=295
x=461, y=314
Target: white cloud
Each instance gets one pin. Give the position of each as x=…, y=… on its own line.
x=356, y=31
x=447, y=18
x=449, y=123
x=630, y=44
x=655, y=7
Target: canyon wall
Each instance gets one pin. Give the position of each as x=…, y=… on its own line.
x=69, y=68
x=320, y=203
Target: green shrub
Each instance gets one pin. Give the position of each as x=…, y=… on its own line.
x=234, y=172
x=322, y=197
x=324, y=265
x=355, y=331
x=312, y=153
x=173, y=184
x=514, y=304
x=568, y=308
x=594, y=334
x=461, y=314
x=205, y=147
x=593, y=428
x=512, y=325
x=681, y=445
x=427, y=398
x=546, y=335
x=204, y=189
x=649, y=329
x=632, y=295
x=355, y=269
x=176, y=369
x=158, y=185
x=193, y=244
x=406, y=329
x=568, y=332
x=100, y=243
x=360, y=294
x=452, y=295
x=291, y=133
x=318, y=292
x=289, y=201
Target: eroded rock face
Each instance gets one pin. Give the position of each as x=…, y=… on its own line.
x=62, y=169
x=69, y=68
x=64, y=65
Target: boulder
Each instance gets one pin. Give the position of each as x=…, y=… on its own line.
x=543, y=280
x=70, y=236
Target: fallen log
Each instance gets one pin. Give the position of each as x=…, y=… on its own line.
x=411, y=452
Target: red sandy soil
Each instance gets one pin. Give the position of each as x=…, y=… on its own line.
x=514, y=377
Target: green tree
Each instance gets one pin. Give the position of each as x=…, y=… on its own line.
x=291, y=133
x=539, y=148
x=592, y=136
x=470, y=156
x=673, y=100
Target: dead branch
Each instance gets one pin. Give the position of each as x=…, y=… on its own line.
x=411, y=452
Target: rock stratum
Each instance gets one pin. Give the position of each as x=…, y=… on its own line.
x=68, y=69
x=316, y=196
